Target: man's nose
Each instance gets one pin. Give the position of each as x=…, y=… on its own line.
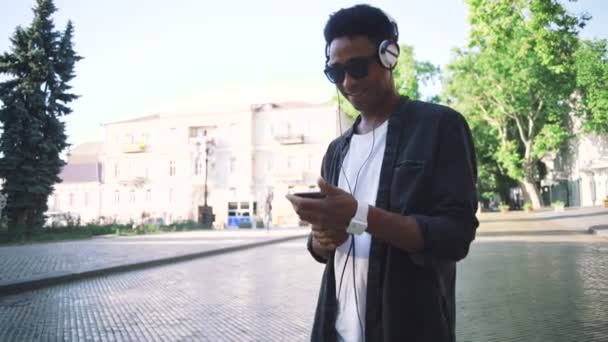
x=348, y=81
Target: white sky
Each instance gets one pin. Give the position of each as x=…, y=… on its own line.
x=188, y=56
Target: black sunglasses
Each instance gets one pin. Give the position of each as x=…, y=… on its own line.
x=356, y=68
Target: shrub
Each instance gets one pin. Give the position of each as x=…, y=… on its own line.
x=503, y=207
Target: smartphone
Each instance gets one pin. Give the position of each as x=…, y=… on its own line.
x=315, y=194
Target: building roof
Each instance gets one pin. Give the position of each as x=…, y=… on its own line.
x=81, y=173
x=139, y=119
x=256, y=107
x=88, y=152
x=259, y=107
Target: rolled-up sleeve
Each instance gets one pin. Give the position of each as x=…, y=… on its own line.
x=450, y=226
x=324, y=174
x=312, y=252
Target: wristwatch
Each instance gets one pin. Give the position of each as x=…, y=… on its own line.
x=358, y=224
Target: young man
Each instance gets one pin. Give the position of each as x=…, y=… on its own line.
x=400, y=198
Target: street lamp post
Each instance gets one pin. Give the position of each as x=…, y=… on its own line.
x=207, y=217
x=207, y=150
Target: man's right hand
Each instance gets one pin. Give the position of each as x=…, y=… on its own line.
x=326, y=240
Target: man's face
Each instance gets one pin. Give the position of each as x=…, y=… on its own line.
x=354, y=65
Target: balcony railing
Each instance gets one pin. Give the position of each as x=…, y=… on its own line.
x=137, y=181
x=133, y=148
x=289, y=138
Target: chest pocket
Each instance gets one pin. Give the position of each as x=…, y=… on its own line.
x=408, y=186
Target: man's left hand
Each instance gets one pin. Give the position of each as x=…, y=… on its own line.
x=332, y=212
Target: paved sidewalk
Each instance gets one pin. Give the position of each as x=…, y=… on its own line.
x=507, y=291
x=28, y=267
x=39, y=265
x=543, y=222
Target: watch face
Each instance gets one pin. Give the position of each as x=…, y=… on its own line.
x=356, y=228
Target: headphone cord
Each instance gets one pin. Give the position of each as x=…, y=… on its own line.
x=352, y=246
x=371, y=152
x=356, y=297
x=352, y=242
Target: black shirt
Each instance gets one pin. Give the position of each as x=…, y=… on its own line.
x=428, y=172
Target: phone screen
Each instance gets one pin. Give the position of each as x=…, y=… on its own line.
x=310, y=194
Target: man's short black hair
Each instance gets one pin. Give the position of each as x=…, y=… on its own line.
x=359, y=20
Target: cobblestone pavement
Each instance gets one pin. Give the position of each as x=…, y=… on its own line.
x=39, y=261
x=507, y=291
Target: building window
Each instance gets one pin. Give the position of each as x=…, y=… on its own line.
x=130, y=138
x=148, y=195
x=71, y=200
x=172, y=170
x=132, y=196
x=86, y=198
x=198, y=132
x=116, y=196
x=289, y=126
x=233, y=192
x=232, y=164
x=289, y=162
x=116, y=170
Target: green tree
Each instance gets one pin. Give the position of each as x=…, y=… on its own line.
x=592, y=82
x=33, y=98
x=409, y=75
x=516, y=75
x=492, y=178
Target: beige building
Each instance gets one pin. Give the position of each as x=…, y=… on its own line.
x=153, y=167
x=79, y=193
x=578, y=175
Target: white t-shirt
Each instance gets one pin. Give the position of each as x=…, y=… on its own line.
x=348, y=326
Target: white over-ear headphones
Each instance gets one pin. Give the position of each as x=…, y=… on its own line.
x=388, y=50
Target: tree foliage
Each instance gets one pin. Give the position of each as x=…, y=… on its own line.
x=516, y=76
x=409, y=75
x=34, y=96
x=592, y=82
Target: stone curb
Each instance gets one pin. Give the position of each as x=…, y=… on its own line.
x=599, y=229
x=33, y=284
x=556, y=232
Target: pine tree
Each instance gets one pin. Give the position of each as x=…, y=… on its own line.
x=33, y=98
